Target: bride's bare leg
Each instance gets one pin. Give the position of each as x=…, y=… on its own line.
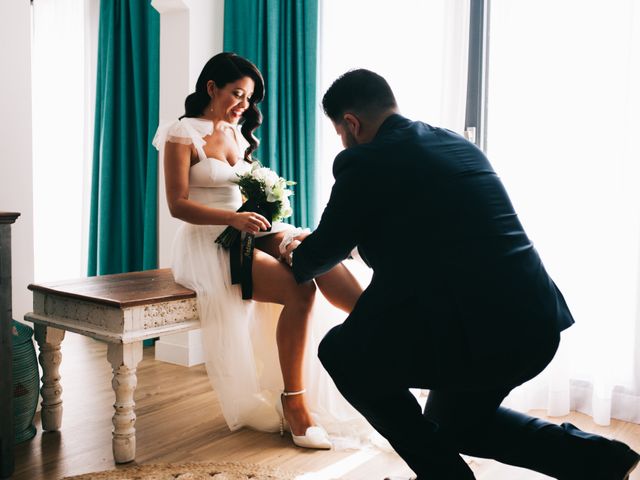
x=274, y=283
x=338, y=285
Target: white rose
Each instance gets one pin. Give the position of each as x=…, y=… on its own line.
x=271, y=179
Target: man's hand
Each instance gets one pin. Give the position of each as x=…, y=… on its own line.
x=290, y=242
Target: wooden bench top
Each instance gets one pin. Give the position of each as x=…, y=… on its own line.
x=121, y=290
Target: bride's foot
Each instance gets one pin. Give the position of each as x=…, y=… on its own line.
x=296, y=412
x=295, y=418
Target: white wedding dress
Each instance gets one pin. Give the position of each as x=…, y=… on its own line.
x=239, y=335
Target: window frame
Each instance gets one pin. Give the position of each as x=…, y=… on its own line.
x=475, y=125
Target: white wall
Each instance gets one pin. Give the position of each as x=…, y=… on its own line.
x=191, y=32
x=174, y=83
x=16, y=169
x=206, y=34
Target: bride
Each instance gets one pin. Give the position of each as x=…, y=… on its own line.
x=258, y=385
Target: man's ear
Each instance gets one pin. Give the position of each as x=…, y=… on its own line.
x=353, y=124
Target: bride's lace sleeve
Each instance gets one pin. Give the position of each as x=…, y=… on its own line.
x=182, y=131
x=174, y=132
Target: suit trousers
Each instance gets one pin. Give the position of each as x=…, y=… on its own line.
x=469, y=421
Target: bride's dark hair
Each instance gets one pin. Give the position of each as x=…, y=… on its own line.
x=225, y=68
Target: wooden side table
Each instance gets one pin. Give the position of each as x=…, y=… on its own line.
x=122, y=310
x=6, y=347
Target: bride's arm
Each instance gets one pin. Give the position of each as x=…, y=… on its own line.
x=177, y=161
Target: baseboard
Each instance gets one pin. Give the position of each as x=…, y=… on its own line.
x=181, y=349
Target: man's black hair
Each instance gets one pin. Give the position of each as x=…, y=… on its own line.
x=360, y=91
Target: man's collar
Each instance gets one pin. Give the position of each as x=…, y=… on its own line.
x=392, y=121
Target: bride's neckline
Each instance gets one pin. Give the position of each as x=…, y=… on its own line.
x=224, y=162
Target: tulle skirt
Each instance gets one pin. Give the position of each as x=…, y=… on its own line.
x=239, y=340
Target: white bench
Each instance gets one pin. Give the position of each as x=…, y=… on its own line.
x=122, y=310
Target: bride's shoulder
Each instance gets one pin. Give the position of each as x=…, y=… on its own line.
x=200, y=126
x=186, y=131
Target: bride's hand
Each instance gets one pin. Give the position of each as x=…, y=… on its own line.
x=249, y=222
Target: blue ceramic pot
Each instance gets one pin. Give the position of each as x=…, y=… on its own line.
x=26, y=385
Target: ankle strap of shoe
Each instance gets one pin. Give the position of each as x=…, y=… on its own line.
x=288, y=394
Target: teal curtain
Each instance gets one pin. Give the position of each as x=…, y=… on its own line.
x=123, y=222
x=281, y=38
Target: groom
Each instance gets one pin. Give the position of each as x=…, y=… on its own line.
x=460, y=302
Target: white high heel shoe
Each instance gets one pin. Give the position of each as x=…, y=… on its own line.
x=314, y=437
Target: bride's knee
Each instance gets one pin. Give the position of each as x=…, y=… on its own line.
x=307, y=291
x=302, y=294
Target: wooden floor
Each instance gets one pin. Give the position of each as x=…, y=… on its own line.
x=179, y=420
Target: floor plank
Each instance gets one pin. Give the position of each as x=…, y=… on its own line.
x=179, y=420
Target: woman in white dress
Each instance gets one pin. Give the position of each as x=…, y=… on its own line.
x=202, y=156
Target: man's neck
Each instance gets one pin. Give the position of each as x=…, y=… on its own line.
x=374, y=126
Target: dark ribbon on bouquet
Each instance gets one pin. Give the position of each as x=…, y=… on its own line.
x=241, y=254
x=241, y=263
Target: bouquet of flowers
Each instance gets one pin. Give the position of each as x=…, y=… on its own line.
x=266, y=193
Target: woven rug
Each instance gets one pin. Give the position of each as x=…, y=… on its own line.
x=191, y=471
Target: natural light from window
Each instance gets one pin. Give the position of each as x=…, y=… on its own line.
x=562, y=133
x=61, y=131
x=419, y=46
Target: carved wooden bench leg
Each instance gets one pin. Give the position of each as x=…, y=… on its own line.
x=50, y=357
x=124, y=359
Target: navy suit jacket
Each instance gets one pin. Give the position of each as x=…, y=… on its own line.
x=454, y=274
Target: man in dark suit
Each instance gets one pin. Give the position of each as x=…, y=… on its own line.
x=459, y=303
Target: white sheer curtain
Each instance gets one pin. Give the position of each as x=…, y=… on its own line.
x=419, y=46
x=64, y=60
x=563, y=130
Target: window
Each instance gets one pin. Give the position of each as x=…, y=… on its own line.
x=562, y=133
x=418, y=46
x=63, y=79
